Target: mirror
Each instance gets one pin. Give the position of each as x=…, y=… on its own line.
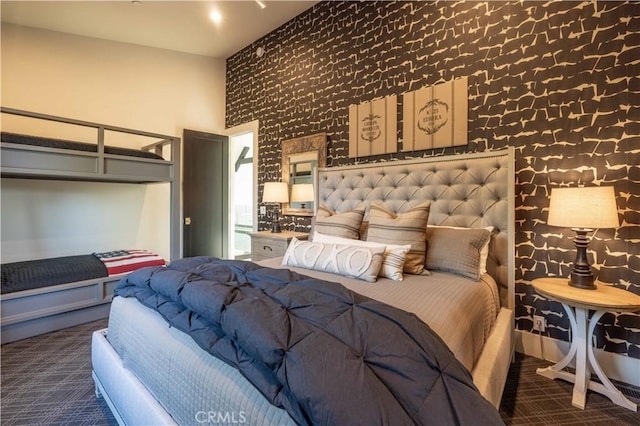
x=300, y=158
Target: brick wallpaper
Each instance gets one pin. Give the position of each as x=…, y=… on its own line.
x=559, y=81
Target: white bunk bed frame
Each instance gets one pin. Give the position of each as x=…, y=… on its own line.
x=31, y=312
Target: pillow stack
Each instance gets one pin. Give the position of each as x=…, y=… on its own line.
x=396, y=243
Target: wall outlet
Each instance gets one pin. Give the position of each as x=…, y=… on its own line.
x=263, y=210
x=538, y=323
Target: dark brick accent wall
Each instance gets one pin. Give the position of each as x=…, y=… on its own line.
x=559, y=81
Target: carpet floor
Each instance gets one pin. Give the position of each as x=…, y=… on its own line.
x=46, y=380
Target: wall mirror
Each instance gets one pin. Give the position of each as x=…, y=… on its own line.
x=300, y=159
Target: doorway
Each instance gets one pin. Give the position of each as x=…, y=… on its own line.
x=243, y=177
x=242, y=194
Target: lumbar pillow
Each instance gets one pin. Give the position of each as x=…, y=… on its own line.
x=456, y=250
x=393, y=257
x=344, y=224
x=406, y=228
x=355, y=262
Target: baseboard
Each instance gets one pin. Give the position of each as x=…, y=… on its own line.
x=615, y=366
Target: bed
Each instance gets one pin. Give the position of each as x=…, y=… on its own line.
x=39, y=310
x=32, y=156
x=145, y=383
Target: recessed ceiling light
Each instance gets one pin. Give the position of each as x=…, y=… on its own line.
x=215, y=16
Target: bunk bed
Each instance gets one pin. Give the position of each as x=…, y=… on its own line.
x=35, y=311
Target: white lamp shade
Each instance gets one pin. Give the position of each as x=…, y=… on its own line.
x=583, y=207
x=302, y=192
x=275, y=192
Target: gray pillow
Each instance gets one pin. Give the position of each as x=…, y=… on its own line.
x=456, y=250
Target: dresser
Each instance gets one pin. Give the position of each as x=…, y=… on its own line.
x=266, y=244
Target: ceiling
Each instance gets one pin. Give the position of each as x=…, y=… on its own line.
x=182, y=26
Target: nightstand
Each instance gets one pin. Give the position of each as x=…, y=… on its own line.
x=577, y=303
x=266, y=245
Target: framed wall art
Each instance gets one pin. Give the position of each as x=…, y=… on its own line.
x=435, y=116
x=373, y=127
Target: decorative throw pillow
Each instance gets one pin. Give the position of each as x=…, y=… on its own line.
x=345, y=224
x=406, y=228
x=392, y=260
x=456, y=250
x=355, y=262
x=484, y=252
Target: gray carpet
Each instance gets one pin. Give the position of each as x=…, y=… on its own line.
x=46, y=380
x=530, y=399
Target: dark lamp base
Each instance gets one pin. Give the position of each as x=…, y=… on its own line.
x=275, y=228
x=581, y=276
x=583, y=282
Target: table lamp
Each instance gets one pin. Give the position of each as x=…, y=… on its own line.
x=276, y=192
x=583, y=209
x=301, y=193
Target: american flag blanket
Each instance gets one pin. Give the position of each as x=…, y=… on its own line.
x=122, y=261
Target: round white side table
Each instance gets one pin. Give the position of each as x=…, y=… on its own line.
x=577, y=303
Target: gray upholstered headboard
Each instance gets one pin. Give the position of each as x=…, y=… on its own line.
x=471, y=190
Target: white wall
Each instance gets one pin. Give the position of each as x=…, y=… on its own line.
x=119, y=84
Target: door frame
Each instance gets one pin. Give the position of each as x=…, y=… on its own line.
x=249, y=127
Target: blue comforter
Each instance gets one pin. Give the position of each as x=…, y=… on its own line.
x=325, y=354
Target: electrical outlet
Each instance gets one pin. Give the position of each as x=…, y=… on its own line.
x=263, y=210
x=538, y=323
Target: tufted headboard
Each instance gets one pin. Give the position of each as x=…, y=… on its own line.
x=470, y=190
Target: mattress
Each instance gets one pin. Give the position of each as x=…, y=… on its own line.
x=31, y=274
x=461, y=311
x=73, y=145
x=187, y=389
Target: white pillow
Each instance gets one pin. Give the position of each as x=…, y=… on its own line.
x=484, y=252
x=355, y=262
x=393, y=258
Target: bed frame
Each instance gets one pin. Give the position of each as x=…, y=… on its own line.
x=473, y=190
x=32, y=312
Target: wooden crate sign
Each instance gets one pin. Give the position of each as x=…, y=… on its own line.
x=373, y=127
x=435, y=116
